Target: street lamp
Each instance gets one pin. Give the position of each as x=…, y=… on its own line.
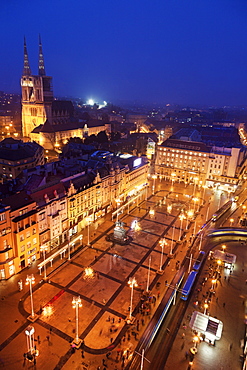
x=223, y=247
x=162, y=242
x=181, y=217
x=196, y=340
x=133, y=284
x=148, y=279
x=173, y=175
x=213, y=282
x=154, y=177
x=219, y=264
x=118, y=201
x=43, y=249
x=205, y=308
x=231, y=221
x=190, y=214
x=195, y=200
x=76, y=303
x=31, y=280
x=88, y=219
x=195, y=180
x=30, y=342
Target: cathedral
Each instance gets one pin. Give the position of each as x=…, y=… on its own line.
x=48, y=121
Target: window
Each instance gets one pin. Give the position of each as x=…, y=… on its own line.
x=28, y=245
x=34, y=241
x=42, y=216
x=34, y=231
x=22, y=237
x=2, y=217
x=28, y=234
x=23, y=248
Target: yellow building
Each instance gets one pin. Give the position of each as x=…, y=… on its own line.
x=7, y=256
x=24, y=229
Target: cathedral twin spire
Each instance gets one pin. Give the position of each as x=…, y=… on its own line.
x=27, y=69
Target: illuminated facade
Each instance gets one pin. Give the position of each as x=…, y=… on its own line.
x=56, y=209
x=45, y=120
x=16, y=156
x=198, y=163
x=24, y=231
x=37, y=95
x=7, y=266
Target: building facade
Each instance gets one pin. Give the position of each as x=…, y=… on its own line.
x=215, y=165
x=16, y=156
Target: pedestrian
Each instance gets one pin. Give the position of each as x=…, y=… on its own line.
x=100, y=331
x=224, y=304
x=230, y=347
x=82, y=354
x=217, y=300
x=111, y=340
x=143, y=322
x=24, y=358
x=48, y=338
x=34, y=360
x=50, y=329
x=38, y=337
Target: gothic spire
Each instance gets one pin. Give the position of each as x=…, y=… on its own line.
x=41, y=59
x=26, y=69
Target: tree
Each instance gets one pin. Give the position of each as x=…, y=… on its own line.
x=102, y=137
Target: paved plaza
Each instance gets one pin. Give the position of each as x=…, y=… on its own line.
x=105, y=296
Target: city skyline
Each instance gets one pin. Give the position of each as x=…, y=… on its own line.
x=166, y=53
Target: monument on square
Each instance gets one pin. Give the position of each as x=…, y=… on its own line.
x=119, y=234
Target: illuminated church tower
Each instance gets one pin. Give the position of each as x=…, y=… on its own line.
x=37, y=94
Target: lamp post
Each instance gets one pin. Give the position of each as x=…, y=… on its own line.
x=231, y=221
x=205, y=308
x=43, y=249
x=162, y=242
x=173, y=175
x=69, y=245
x=195, y=200
x=181, y=217
x=76, y=303
x=118, y=201
x=154, y=177
x=88, y=219
x=148, y=279
x=219, y=264
x=204, y=189
x=189, y=215
x=200, y=244
x=133, y=284
x=173, y=229
x=223, y=247
x=213, y=282
x=196, y=340
x=195, y=180
x=31, y=280
x=30, y=340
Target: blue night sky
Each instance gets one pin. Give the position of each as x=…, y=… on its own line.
x=166, y=51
